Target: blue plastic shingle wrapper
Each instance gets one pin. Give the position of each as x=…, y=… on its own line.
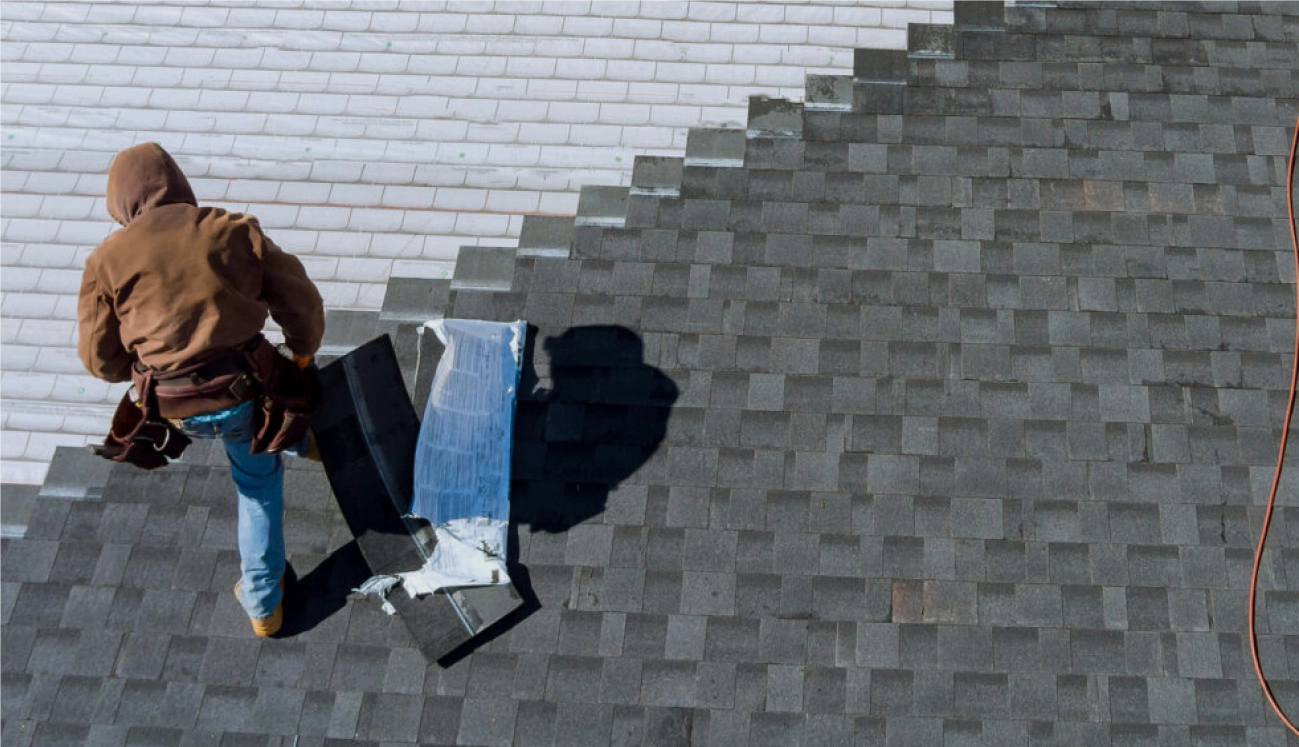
x=462, y=458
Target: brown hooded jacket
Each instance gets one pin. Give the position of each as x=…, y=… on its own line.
x=179, y=282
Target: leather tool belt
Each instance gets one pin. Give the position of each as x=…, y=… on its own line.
x=214, y=383
x=145, y=433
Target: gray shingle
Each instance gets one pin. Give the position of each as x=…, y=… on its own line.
x=981, y=695
x=535, y=722
x=486, y=721
x=620, y=681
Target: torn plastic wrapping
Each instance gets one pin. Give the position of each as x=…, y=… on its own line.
x=380, y=586
x=462, y=458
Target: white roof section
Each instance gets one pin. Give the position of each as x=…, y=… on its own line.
x=372, y=139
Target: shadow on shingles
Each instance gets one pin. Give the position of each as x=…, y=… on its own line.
x=603, y=415
x=323, y=591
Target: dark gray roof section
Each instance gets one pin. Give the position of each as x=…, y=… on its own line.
x=18, y=502
x=484, y=267
x=656, y=175
x=546, y=235
x=946, y=420
x=416, y=300
x=714, y=147
x=75, y=473
x=601, y=205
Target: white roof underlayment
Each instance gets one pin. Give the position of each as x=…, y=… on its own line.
x=372, y=139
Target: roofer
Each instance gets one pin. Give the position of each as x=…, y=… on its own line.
x=185, y=291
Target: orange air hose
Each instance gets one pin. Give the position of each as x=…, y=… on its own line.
x=1280, y=459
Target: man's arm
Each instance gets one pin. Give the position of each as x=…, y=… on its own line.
x=99, y=339
x=294, y=301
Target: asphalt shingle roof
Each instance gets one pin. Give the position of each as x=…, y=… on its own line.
x=943, y=419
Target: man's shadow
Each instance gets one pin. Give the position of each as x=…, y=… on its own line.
x=311, y=599
x=590, y=413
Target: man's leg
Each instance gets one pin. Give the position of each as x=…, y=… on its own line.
x=259, y=481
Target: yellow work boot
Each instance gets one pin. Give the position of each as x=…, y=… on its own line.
x=265, y=627
x=307, y=448
x=313, y=448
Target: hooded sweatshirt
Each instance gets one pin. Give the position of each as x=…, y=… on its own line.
x=180, y=283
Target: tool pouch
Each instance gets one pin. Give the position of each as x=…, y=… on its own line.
x=288, y=400
x=139, y=435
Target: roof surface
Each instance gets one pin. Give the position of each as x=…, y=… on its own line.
x=945, y=416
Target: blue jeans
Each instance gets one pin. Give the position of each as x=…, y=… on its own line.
x=259, y=481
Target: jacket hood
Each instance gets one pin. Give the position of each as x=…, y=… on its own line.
x=144, y=177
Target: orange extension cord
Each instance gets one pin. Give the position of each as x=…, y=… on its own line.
x=1280, y=460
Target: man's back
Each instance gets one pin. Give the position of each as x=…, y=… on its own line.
x=180, y=281
x=185, y=281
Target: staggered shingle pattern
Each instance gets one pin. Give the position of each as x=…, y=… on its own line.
x=945, y=416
